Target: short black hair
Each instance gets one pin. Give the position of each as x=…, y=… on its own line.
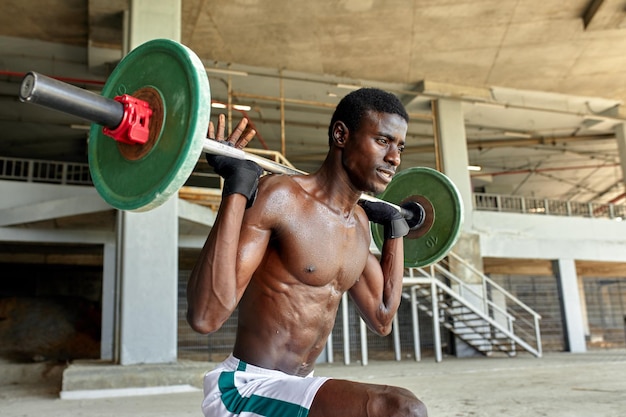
x=353, y=107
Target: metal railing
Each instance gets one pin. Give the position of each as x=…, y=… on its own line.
x=530, y=205
x=57, y=172
x=32, y=170
x=494, y=304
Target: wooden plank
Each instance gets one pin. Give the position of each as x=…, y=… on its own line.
x=542, y=267
x=600, y=269
x=509, y=266
x=209, y=197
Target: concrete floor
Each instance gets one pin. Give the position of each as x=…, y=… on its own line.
x=558, y=385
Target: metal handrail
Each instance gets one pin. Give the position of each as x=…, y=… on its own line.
x=34, y=170
x=485, y=317
x=492, y=283
x=59, y=172
x=544, y=206
x=465, y=287
x=488, y=286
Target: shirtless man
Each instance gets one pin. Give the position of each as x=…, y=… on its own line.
x=287, y=253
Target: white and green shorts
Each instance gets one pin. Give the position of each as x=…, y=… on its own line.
x=235, y=388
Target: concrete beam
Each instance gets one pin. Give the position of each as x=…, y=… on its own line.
x=604, y=15
x=195, y=213
x=15, y=234
x=53, y=209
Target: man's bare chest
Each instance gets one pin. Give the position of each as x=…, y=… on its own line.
x=324, y=252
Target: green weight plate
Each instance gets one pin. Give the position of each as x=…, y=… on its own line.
x=444, y=214
x=172, y=79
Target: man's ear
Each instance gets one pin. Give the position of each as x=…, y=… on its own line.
x=340, y=133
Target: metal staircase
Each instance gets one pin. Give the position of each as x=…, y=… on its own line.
x=482, y=314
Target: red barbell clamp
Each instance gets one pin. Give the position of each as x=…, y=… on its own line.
x=133, y=129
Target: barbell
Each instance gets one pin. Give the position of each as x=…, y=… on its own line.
x=156, y=105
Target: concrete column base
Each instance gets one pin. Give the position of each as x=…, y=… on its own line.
x=100, y=379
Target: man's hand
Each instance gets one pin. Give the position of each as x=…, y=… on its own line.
x=240, y=176
x=394, y=224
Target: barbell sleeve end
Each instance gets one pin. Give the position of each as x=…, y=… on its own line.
x=27, y=87
x=57, y=95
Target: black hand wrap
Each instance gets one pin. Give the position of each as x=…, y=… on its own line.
x=240, y=176
x=394, y=224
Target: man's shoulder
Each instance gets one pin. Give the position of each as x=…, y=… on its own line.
x=277, y=190
x=280, y=183
x=278, y=195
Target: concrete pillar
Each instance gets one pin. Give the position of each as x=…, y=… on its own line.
x=574, y=328
x=148, y=269
x=453, y=160
x=453, y=155
x=109, y=302
x=152, y=19
x=148, y=242
x=620, y=136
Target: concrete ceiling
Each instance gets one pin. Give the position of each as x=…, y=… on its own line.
x=541, y=81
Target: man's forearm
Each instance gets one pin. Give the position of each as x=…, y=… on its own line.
x=212, y=287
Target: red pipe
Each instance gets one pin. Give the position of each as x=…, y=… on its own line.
x=526, y=171
x=64, y=79
x=618, y=198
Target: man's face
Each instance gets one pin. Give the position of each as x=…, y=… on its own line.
x=372, y=153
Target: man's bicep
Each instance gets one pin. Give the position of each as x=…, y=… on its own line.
x=257, y=227
x=253, y=243
x=367, y=292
